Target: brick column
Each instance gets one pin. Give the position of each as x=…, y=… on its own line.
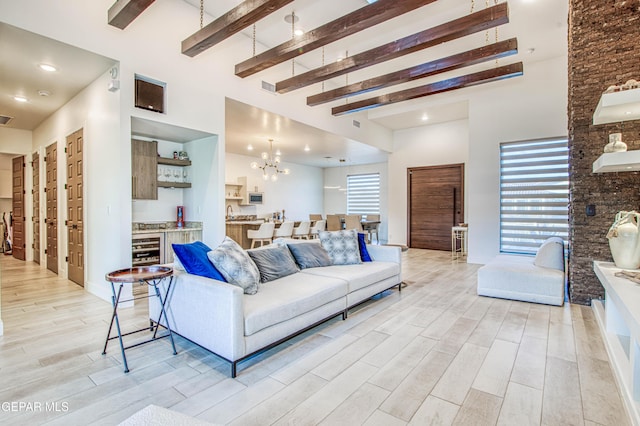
x=604, y=49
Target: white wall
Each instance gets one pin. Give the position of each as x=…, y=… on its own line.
x=97, y=112
x=298, y=193
x=536, y=108
x=335, y=201
x=533, y=107
x=437, y=144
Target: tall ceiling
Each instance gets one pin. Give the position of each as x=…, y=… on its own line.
x=539, y=25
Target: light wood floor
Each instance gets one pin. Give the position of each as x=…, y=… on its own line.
x=433, y=354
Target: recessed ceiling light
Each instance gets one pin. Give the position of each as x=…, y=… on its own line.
x=250, y=147
x=44, y=93
x=306, y=148
x=47, y=68
x=298, y=32
x=19, y=98
x=531, y=50
x=425, y=117
x=628, y=112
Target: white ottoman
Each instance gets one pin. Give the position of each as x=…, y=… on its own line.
x=539, y=279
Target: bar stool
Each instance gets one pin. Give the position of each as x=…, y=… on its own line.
x=262, y=234
x=302, y=230
x=458, y=242
x=284, y=231
x=317, y=227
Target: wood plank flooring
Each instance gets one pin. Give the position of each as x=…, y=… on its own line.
x=433, y=354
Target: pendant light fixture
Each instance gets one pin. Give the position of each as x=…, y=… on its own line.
x=270, y=168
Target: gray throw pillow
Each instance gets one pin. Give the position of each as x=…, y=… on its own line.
x=235, y=265
x=273, y=263
x=309, y=255
x=342, y=246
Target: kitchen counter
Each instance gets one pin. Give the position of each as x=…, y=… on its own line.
x=237, y=230
x=153, y=227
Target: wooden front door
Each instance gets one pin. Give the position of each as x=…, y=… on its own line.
x=17, y=240
x=35, y=218
x=75, y=224
x=52, y=206
x=436, y=203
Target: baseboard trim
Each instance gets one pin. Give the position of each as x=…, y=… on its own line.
x=1, y=328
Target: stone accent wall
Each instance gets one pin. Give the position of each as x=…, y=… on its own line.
x=604, y=49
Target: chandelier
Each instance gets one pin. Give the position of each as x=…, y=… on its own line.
x=270, y=169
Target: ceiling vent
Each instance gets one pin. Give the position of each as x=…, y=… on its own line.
x=356, y=123
x=5, y=119
x=269, y=87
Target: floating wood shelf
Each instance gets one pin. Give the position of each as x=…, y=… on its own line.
x=173, y=162
x=174, y=184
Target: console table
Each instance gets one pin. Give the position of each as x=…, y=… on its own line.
x=152, y=276
x=618, y=318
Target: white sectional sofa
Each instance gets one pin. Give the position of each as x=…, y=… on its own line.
x=222, y=319
x=539, y=279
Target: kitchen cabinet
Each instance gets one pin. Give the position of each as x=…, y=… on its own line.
x=144, y=170
x=145, y=175
x=179, y=236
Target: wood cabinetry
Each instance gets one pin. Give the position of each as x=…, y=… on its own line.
x=179, y=237
x=145, y=177
x=144, y=170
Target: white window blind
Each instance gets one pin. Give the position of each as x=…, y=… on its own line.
x=363, y=194
x=534, y=194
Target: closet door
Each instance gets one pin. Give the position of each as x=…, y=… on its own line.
x=17, y=241
x=35, y=218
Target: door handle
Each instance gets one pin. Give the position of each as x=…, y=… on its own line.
x=74, y=226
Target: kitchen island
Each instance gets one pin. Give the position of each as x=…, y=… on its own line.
x=237, y=230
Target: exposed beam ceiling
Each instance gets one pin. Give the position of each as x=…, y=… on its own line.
x=469, y=24
x=487, y=76
x=360, y=19
x=123, y=12
x=460, y=60
x=237, y=19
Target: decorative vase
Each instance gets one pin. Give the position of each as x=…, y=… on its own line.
x=615, y=143
x=624, y=240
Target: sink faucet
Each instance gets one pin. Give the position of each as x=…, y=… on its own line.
x=229, y=208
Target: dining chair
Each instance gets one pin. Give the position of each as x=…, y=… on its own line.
x=353, y=221
x=333, y=222
x=373, y=228
x=284, y=231
x=262, y=234
x=302, y=230
x=313, y=217
x=317, y=227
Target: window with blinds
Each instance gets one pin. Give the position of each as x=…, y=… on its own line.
x=534, y=194
x=363, y=194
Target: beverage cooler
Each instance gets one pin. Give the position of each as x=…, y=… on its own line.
x=147, y=249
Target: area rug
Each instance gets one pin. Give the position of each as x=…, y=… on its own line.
x=152, y=415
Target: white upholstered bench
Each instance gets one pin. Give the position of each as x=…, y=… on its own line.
x=539, y=279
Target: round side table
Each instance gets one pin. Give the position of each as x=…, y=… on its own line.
x=152, y=276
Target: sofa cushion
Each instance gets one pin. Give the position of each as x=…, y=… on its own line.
x=193, y=259
x=551, y=254
x=309, y=255
x=362, y=245
x=342, y=246
x=235, y=265
x=289, y=297
x=273, y=262
x=358, y=276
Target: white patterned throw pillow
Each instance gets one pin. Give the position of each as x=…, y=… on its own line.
x=235, y=265
x=342, y=246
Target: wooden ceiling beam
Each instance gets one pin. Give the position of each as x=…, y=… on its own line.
x=358, y=20
x=487, y=76
x=469, y=24
x=123, y=12
x=438, y=66
x=240, y=17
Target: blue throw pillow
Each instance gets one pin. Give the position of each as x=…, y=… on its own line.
x=362, y=245
x=193, y=257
